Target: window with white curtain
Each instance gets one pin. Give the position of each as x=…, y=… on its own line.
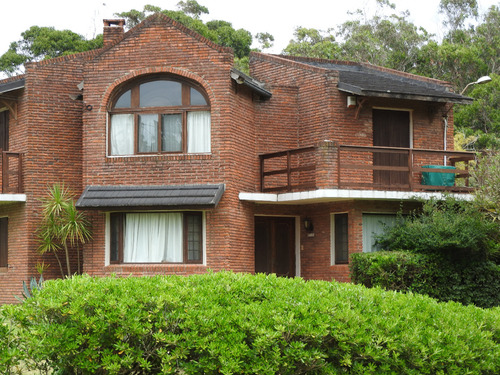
x=159, y=115
x=374, y=225
x=159, y=237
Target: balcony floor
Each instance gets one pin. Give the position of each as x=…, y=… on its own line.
x=332, y=195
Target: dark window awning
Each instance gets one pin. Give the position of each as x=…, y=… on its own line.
x=121, y=198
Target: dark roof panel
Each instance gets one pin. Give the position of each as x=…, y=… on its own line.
x=362, y=80
x=150, y=197
x=12, y=85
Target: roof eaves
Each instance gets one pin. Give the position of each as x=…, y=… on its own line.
x=243, y=79
x=356, y=90
x=12, y=85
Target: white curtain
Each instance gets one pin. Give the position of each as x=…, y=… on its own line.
x=373, y=225
x=198, y=132
x=148, y=133
x=153, y=238
x=122, y=134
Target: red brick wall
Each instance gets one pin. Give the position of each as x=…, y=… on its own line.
x=315, y=247
x=48, y=133
x=163, y=47
x=64, y=140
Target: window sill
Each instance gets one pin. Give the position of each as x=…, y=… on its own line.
x=156, y=157
x=156, y=268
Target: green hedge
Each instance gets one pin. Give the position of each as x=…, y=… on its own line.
x=436, y=275
x=242, y=324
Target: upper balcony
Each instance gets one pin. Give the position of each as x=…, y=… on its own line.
x=365, y=169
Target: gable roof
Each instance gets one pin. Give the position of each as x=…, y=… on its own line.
x=364, y=80
x=150, y=197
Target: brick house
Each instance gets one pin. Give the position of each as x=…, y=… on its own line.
x=185, y=164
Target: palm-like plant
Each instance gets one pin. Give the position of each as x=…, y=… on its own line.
x=62, y=226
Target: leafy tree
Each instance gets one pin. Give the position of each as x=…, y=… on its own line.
x=487, y=37
x=192, y=8
x=313, y=43
x=486, y=179
x=134, y=17
x=266, y=40
x=457, y=12
x=40, y=43
x=62, y=226
x=481, y=119
x=220, y=32
x=390, y=41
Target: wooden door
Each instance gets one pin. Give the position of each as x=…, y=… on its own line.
x=391, y=129
x=275, y=245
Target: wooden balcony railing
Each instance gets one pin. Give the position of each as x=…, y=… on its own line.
x=12, y=172
x=331, y=166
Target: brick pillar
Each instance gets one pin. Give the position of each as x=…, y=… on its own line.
x=327, y=165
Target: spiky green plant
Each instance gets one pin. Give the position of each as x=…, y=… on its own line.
x=62, y=226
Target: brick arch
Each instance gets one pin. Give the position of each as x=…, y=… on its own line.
x=156, y=70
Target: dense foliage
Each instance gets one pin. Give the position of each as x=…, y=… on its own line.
x=448, y=250
x=40, y=43
x=468, y=282
x=448, y=227
x=243, y=324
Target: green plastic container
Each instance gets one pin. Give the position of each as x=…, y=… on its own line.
x=438, y=178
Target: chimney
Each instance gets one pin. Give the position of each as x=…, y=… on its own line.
x=113, y=30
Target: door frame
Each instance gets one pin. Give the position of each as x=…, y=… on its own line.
x=297, y=238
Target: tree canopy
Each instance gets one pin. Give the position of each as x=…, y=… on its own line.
x=40, y=43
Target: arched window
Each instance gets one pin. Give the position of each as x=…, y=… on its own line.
x=157, y=116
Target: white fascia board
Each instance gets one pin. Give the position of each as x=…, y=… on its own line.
x=325, y=195
x=4, y=198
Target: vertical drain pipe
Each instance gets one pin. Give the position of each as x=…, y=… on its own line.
x=445, y=119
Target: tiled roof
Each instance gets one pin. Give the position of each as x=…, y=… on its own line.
x=359, y=79
x=150, y=197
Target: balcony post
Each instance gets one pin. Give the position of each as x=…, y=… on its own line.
x=410, y=169
x=327, y=165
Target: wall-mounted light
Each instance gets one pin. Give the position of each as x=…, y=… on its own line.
x=308, y=224
x=351, y=101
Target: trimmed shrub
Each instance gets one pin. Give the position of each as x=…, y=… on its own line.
x=438, y=276
x=228, y=323
x=389, y=270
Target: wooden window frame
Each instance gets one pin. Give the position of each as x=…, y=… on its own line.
x=4, y=242
x=120, y=219
x=136, y=110
x=335, y=253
